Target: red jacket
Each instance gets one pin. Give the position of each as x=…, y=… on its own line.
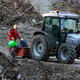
x=13, y=33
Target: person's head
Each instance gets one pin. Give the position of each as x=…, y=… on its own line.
x=15, y=26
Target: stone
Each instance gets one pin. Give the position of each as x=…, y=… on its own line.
x=28, y=33
x=21, y=31
x=0, y=25
x=20, y=63
x=4, y=28
x=1, y=69
x=32, y=24
x=33, y=20
x=37, y=69
x=41, y=76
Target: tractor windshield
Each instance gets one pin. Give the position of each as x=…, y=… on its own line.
x=68, y=25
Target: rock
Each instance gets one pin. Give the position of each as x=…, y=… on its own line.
x=37, y=69
x=41, y=76
x=32, y=24
x=1, y=69
x=21, y=31
x=0, y=25
x=33, y=20
x=31, y=61
x=4, y=28
x=20, y=63
x=28, y=33
x=16, y=69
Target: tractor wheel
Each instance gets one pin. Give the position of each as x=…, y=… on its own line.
x=67, y=53
x=39, y=48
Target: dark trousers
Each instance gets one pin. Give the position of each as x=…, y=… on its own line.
x=13, y=52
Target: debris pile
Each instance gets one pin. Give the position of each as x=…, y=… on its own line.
x=6, y=66
x=13, y=10
x=25, y=68
x=37, y=70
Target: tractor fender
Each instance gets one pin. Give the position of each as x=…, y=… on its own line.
x=48, y=38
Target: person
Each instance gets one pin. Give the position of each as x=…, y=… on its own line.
x=71, y=30
x=13, y=35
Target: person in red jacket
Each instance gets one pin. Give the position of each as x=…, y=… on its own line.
x=13, y=35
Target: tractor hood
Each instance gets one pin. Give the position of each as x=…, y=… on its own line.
x=73, y=38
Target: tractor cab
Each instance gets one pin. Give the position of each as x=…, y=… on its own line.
x=59, y=24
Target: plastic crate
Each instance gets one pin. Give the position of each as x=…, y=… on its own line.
x=23, y=52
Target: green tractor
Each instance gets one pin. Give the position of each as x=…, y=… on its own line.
x=60, y=36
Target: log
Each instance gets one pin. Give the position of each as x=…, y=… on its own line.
x=29, y=8
x=9, y=60
x=19, y=9
x=2, y=75
x=15, y=5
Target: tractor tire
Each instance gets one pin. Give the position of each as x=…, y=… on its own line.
x=39, y=48
x=66, y=53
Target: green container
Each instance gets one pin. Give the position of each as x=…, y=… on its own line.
x=13, y=43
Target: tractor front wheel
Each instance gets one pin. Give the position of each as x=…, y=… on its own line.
x=39, y=48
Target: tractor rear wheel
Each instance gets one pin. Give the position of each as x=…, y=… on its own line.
x=39, y=48
x=67, y=53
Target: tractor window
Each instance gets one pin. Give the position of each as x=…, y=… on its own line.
x=68, y=25
x=49, y=22
x=79, y=25
x=52, y=27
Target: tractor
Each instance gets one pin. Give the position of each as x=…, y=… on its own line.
x=59, y=36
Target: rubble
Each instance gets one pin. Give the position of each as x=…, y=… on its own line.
x=14, y=10
x=39, y=70
x=1, y=69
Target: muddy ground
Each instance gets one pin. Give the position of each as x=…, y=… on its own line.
x=35, y=70
x=31, y=69
x=40, y=70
